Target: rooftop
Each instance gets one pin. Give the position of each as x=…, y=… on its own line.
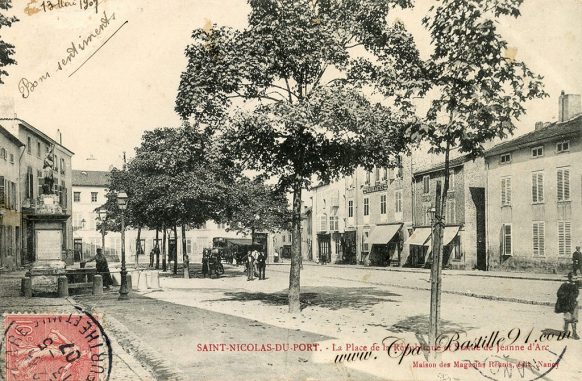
x=30, y=127
x=11, y=137
x=549, y=132
x=90, y=178
x=456, y=162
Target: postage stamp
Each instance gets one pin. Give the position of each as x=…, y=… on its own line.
x=55, y=347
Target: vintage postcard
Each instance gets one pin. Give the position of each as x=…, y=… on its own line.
x=290, y=190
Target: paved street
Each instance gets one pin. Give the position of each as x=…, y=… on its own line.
x=169, y=331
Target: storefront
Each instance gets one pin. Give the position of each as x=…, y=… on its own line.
x=386, y=245
x=421, y=244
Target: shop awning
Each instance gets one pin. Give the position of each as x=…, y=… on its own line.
x=449, y=234
x=419, y=237
x=382, y=234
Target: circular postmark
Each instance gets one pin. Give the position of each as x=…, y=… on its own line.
x=45, y=346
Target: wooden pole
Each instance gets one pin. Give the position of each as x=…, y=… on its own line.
x=436, y=272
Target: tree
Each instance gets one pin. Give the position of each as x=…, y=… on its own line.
x=254, y=206
x=480, y=90
x=6, y=49
x=299, y=72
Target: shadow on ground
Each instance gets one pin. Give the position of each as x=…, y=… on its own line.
x=333, y=298
x=419, y=324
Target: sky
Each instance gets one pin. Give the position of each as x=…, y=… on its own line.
x=129, y=85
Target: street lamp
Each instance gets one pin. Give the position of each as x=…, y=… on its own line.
x=102, y=217
x=122, y=204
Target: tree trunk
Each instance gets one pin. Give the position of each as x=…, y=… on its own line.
x=295, y=271
x=138, y=247
x=158, y=248
x=185, y=258
x=164, y=265
x=175, y=253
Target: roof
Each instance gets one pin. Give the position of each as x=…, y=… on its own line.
x=11, y=137
x=456, y=162
x=30, y=127
x=90, y=178
x=549, y=132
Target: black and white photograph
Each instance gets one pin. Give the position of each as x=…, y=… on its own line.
x=297, y=190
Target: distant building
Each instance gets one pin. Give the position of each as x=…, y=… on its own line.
x=534, y=209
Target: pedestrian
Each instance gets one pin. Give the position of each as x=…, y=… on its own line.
x=577, y=261
x=102, y=267
x=205, y=263
x=250, y=266
x=152, y=255
x=262, y=264
x=567, y=304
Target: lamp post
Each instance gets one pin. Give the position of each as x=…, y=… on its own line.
x=124, y=289
x=102, y=217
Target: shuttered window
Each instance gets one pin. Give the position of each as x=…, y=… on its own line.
x=506, y=240
x=538, y=239
x=366, y=206
x=451, y=212
x=398, y=201
x=564, y=238
x=506, y=191
x=323, y=223
x=563, y=185
x=537, y=187
x=2, y=193
x=383, y=204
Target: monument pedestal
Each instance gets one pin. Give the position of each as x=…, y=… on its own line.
x=49, y=226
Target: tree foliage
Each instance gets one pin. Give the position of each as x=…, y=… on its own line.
x=6, y=48
x=299, y=71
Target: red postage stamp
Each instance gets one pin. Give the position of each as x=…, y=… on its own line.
x=55, y=347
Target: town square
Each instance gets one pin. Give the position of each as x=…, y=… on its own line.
x=290, y=190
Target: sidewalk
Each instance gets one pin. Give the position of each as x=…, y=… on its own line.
x=124, y=366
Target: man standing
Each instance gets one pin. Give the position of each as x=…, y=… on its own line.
x=102, y=267
x=261, y=264
x=250, y=266
x=568, y=304
x=577, y=261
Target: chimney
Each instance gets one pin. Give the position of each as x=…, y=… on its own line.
x=569, y=106
x=539, y=125
x=59, y=136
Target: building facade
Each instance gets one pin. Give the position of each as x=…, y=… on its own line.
x=10, y=215
x=534, y=192
x=464, y=241
x=28, y=171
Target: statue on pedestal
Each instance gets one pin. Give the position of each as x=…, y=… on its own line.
x=47, y=168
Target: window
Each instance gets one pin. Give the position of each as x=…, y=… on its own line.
x=11, y=158
x=398, y=201
x=385, y=174
x=450, y=215
x=29, y=145
x=140, y=246
x=3, y=153
x=77, y=196
x=3, y=200
x=377, y=175
x=426, y=184
x=563, y=146
x=537, y=151
x=365, y=244
x=563, y=175
x=383, y=204
x=564, y=238
x=506, y=191
x=29, y=191
x=322, y=223
x=350, y=208
x=366, y=206
x=93, y=196
x=537, y=187
x=37, y=149
x=538, y=236
x=63, y=194
x=367, y=177
x=62, y=165
x=451, y=180
x=56, y=165
x=40, y=181
x=333, y=223
x=506, y=242
x=505, y=158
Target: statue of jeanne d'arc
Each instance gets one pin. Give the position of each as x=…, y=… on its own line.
x=47, y=168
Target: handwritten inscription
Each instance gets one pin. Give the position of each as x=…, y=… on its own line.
x=27, y=86
x=47, y=6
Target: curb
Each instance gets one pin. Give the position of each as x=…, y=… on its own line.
x=427, y=271
x=461, y=293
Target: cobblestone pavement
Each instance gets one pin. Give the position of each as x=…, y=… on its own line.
x=124, y=366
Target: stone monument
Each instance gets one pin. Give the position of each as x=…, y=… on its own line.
x=49, y=224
